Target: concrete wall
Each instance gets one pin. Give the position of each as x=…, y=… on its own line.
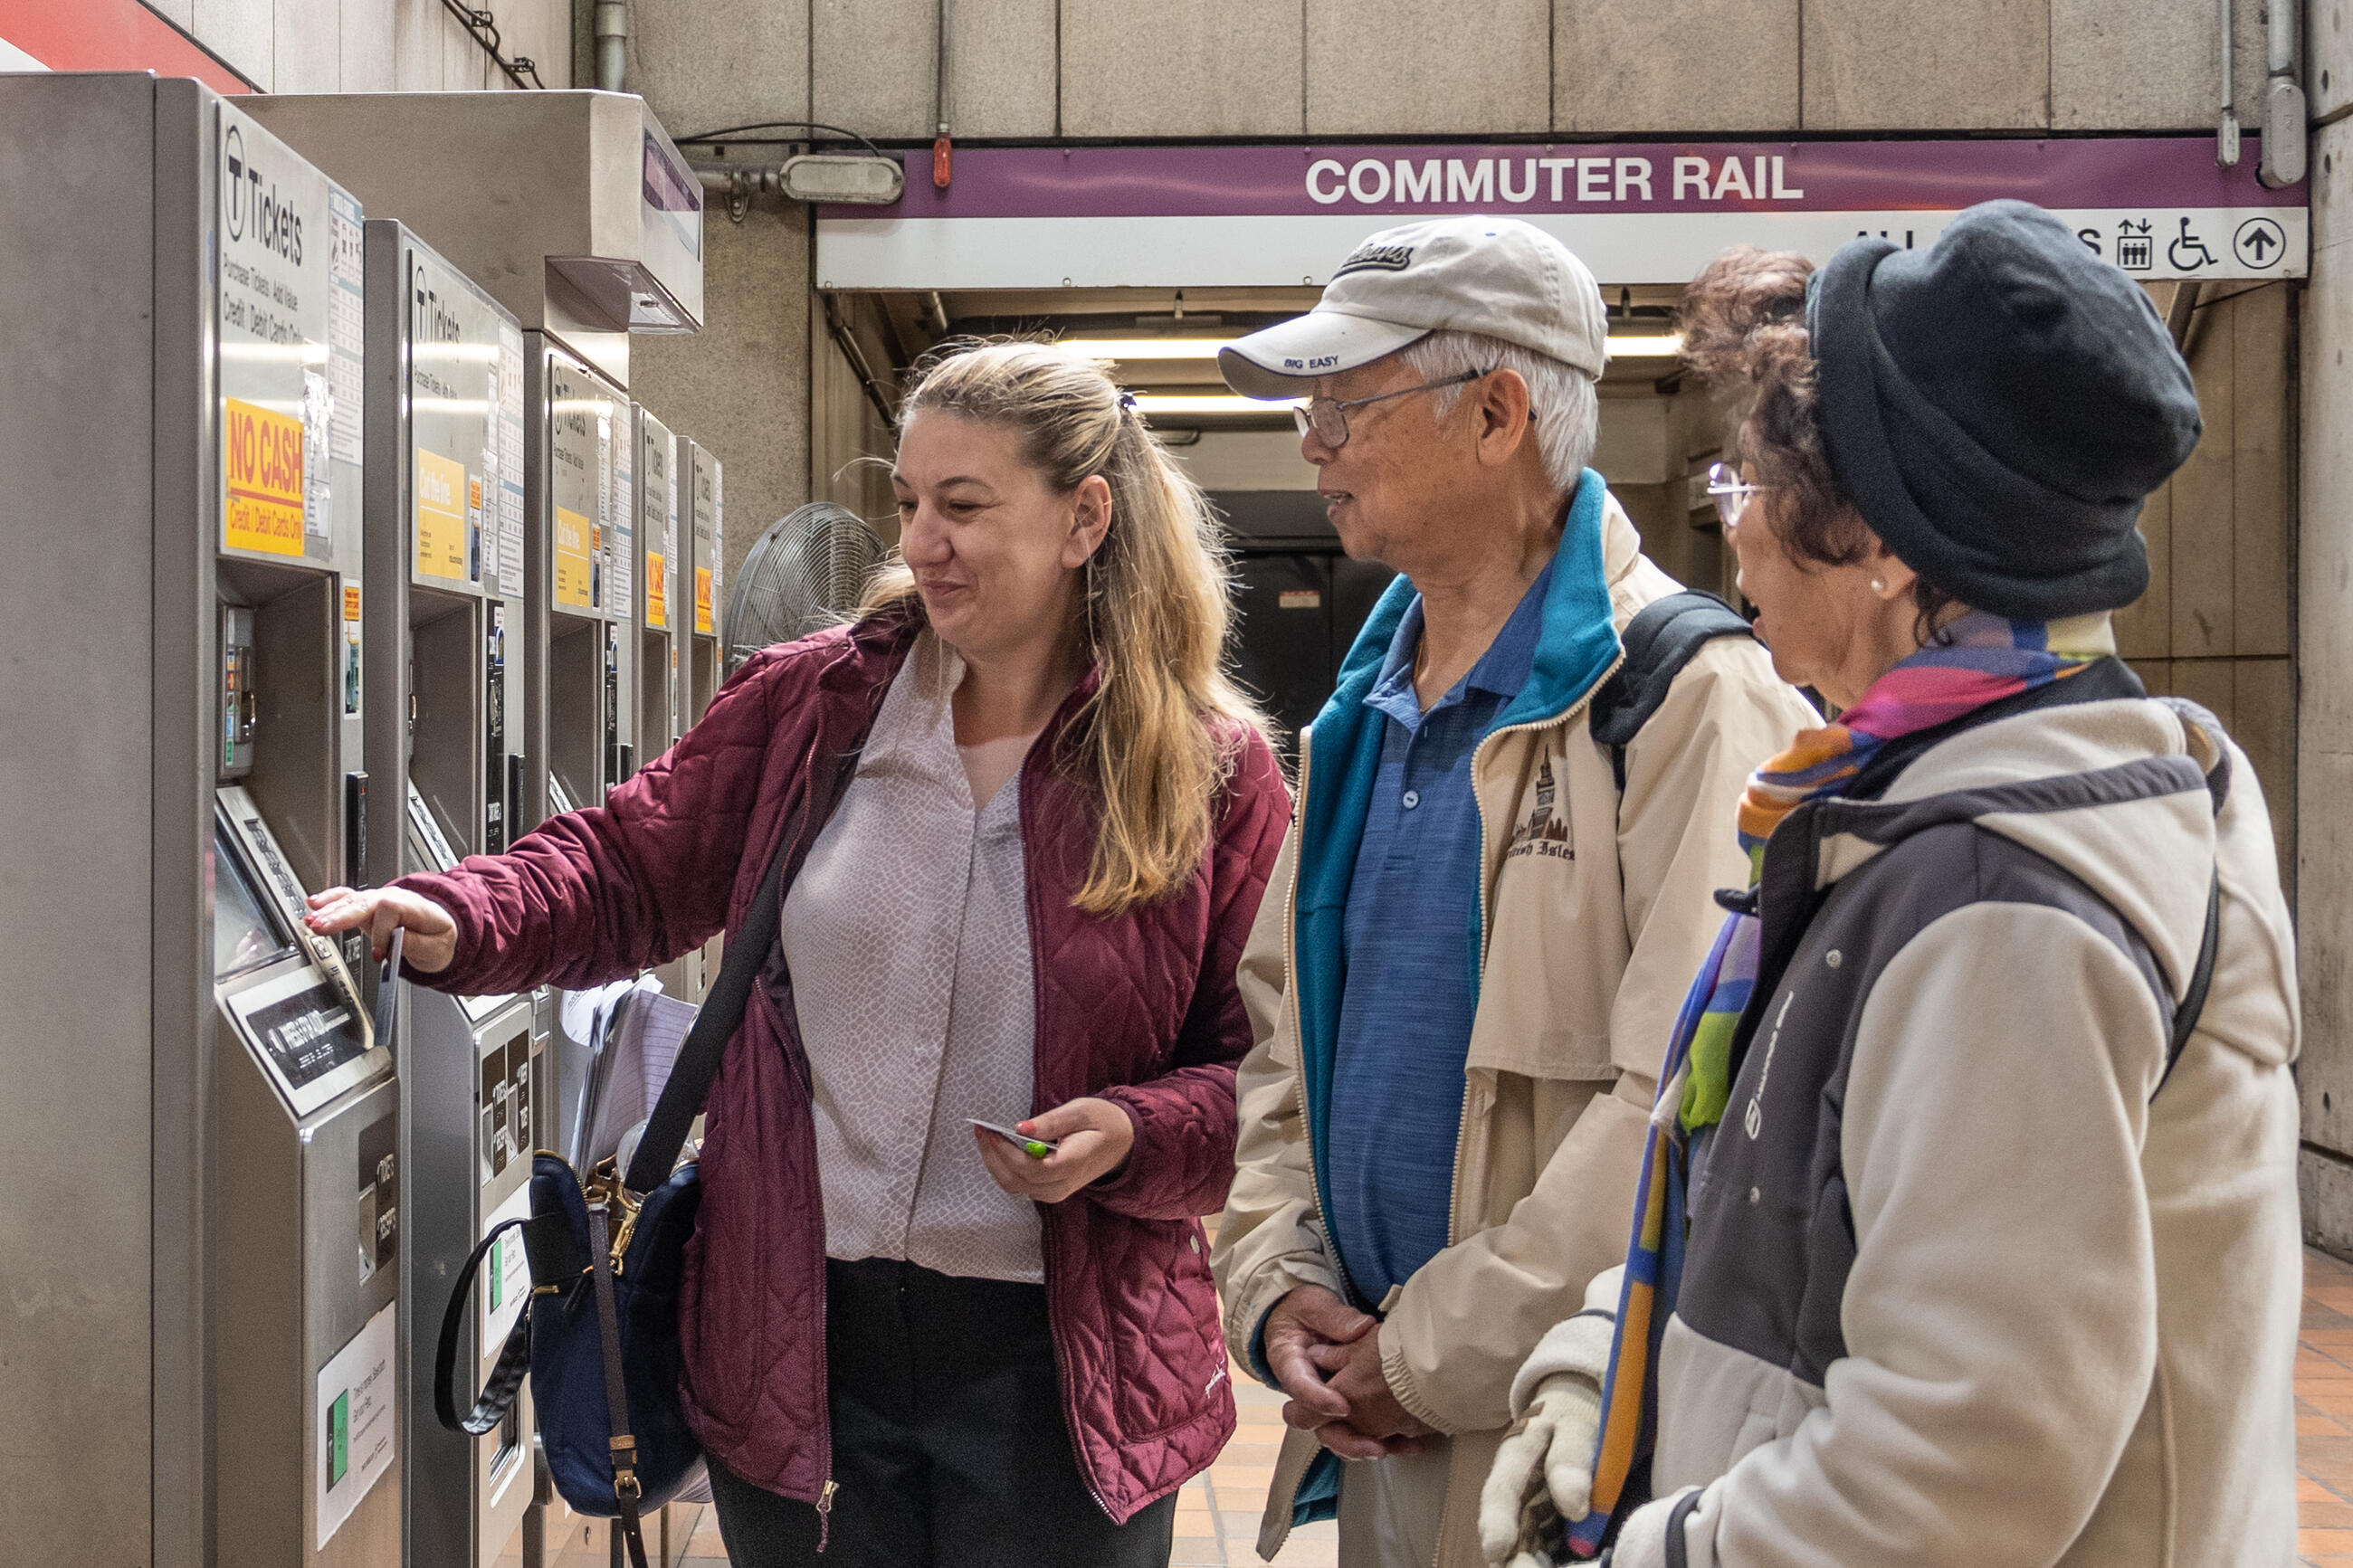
x=373, y=46
x=2324, y=638
x=1190, y=68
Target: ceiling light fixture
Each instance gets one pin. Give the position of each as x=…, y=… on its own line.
x=1144, y=348
x=1630, y=345
x=1161, y=404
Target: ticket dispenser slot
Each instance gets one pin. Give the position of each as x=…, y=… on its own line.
x=281, y=683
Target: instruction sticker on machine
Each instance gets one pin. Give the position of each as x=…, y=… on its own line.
x=506, y=1281
x=442, y=503
x=262, y=455
x=576, y=545
x=286, y=347
x=354, y=1437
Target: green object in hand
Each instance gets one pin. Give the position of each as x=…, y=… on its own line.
x=1035, y=1147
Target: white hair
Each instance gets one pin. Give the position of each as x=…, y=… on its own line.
x=1567, y=405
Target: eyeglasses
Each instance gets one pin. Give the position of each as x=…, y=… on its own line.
x=1730, y=493
x=1328, y=417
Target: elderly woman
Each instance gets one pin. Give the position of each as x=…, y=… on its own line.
x=1030, y=820
x=1993, y=1249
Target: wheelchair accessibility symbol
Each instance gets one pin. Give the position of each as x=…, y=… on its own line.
x=2188, y=253
x=2260, y=242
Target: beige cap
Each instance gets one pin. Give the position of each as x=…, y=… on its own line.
x=1497, y=276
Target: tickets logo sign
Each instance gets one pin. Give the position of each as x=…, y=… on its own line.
x=261, y=457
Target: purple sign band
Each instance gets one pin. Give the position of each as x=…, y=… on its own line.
x=2167, y=172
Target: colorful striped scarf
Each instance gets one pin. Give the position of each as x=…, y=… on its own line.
x=1977, y=659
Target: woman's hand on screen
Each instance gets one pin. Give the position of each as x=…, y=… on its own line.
x=432, y=940
x=1093, y=1137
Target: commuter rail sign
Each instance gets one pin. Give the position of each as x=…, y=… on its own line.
x=1643, y=212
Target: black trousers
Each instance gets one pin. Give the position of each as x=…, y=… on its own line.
x=949, y=1446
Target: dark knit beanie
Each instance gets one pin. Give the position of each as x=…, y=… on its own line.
x=1997, y=407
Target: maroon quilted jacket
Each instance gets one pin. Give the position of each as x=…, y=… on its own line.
x=1141, y=1009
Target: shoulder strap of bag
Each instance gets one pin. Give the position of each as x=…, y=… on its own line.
x=723, y=1010
x=627, y=1490
x=2201, y=974
x=1659, y=641
x=498, y=1395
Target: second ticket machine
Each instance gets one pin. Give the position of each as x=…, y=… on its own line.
x=445, y=548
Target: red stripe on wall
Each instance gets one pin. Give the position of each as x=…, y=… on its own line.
x=110, y=34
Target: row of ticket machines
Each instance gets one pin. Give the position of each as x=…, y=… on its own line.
x=341, y=552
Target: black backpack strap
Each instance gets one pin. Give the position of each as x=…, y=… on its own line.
x=498, y=1395
x=1659, y=641
x=723, y=1010
x=2201, y=974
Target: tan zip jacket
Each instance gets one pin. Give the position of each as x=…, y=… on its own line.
x=1588, y=954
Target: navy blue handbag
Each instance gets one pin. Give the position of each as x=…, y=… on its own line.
x=607, y=1257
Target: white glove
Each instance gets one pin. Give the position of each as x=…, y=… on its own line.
x=1543, y=1470
x=1642, y=1539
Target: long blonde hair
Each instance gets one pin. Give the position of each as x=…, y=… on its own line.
x=1160, y=735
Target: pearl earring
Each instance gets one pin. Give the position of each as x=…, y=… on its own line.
x=1878, y=586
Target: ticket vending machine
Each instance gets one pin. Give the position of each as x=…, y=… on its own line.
x=701, y=663
x=666, y=604
x=706, y=665
x=199, y=1363
x=662, y=608
x=579, y=556
x=444, y=546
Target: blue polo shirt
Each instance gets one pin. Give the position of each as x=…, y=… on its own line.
x=1412, y=984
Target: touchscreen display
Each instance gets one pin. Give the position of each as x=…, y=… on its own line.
x=246, y=932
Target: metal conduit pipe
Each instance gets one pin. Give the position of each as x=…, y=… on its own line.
x=2226, y=134
x=2285, y=130
x=612, y=28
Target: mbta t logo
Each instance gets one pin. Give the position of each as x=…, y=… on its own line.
x=234, y=198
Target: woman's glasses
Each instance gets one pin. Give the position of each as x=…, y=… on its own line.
x=1730, y=494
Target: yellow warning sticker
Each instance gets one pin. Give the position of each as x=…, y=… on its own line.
x=441, y=493
x=703, y=600
x=657, y=591
x=261, y=455
x=350, y=601
x=575, y=575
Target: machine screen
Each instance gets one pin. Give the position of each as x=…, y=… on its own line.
x=310, y=1034
x=247, y=931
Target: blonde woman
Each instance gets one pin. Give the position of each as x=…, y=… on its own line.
x=1031, y=820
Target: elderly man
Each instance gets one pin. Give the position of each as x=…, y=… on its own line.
x=1461, y=996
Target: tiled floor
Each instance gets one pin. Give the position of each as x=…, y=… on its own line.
x=1218, y=1512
